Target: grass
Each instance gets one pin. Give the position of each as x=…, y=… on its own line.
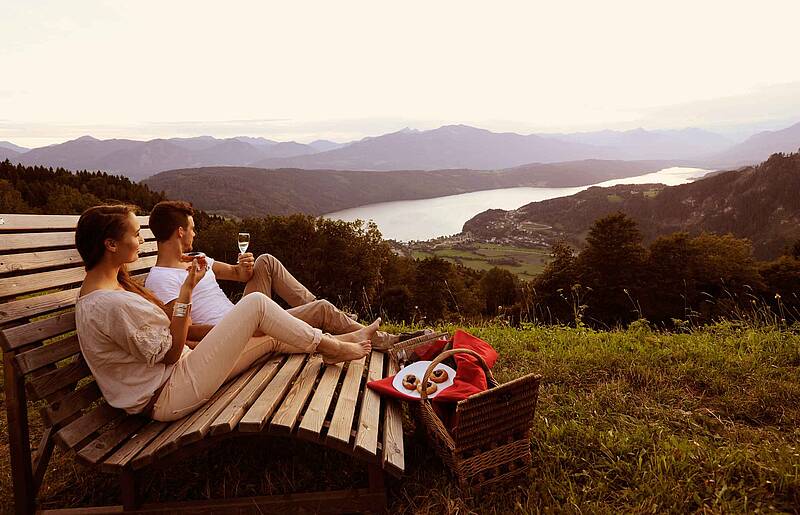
x=628, y=421
x=526, y=263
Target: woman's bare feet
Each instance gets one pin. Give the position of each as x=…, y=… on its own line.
x=334, y=350
x=359, y=335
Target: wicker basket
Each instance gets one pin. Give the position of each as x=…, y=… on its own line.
x=490, y=442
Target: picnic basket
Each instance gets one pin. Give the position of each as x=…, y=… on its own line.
x=490, y=438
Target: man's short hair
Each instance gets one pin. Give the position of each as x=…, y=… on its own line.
x=167, y=216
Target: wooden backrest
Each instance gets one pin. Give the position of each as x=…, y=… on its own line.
x=40, y=275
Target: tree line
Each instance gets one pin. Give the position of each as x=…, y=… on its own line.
x=613, y=280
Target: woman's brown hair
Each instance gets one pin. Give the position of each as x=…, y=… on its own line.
x=99, y=223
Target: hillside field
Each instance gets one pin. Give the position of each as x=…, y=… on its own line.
x=628, y=421
x=524, y=262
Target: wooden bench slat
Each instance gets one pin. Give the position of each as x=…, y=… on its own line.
x=233, y=412
x=393, y=450
x=262, y=409
x=369, y=418
x=71, y=403
x=286, y=416
x=314, y=417
x=33, y=306
x=339, y=432
x=172, y=443
x=45, y=280
x=18, y=222
x=26, y=334
x=202, y=425
x=39, y=357
x=101, y=446
x=46, y=240
x=29, y=261
x=40, y=387
x=75, y=432
x=125, y=454
x=147, y=455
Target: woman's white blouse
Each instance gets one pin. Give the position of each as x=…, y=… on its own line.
x=123, y=338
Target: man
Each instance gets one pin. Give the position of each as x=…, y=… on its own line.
x=172, y=223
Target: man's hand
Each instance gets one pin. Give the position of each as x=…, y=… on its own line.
x=244, y=269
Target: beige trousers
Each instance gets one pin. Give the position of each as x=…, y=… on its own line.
x=271, y=277
x=228, y=349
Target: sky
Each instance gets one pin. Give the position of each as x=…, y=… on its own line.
x=348, y=69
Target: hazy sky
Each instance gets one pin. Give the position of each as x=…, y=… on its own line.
x=346, y=69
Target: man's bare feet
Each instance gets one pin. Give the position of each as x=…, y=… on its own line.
x=338, y=351
x=365, y=333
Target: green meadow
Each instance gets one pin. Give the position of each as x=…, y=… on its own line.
x=628, y=421
x=526, y=263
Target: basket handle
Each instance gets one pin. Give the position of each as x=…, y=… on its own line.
x=446, y=354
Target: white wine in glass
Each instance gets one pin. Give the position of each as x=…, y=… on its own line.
x=244, y=241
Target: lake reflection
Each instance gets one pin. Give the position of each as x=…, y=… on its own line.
x=442, y=216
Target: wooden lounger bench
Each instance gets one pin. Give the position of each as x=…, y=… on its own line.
x=296, y=396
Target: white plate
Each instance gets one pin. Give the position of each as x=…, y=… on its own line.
x=418, y=368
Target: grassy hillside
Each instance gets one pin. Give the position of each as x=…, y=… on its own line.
x=525, y=263
x=758, y=202
x=628, y=421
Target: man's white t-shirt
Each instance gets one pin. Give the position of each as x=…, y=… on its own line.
x=209, y=302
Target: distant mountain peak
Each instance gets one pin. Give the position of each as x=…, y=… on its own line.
x=86, y=138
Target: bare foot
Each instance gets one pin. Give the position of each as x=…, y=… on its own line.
x=359, y=335
x=339, y=351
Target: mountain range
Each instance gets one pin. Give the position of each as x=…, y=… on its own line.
x=448, y=147
x=757, y=202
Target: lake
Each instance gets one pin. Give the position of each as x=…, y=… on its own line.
x=426, y=219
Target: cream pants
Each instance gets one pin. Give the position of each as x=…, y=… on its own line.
x=230, y=348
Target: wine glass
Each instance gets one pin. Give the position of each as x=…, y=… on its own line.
x=243, y=241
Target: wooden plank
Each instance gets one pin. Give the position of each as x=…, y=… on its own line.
x=75, y=432
x=125, y=454
x=26, y=334
x=233, y=412
x=366, y=443
x=339, y=431
x=393, y=448
x=41, y=458
x=262, y=409
x=19, y=445
x=47, y=240
x=18, y=222
x=46, y=384
x=314, y=417
x=286, y=416
x=202, y=425
x=39, y=357
x=71, y=403
x=101, y=446
x=171, y=443
x=147, y=455
x=29, y=261
x=56, y=278
x=33, y=306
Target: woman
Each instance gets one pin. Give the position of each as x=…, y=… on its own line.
x=137, y=353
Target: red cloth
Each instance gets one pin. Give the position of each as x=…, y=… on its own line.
x=470, y=378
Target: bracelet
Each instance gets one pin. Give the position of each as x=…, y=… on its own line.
x=181, y=309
